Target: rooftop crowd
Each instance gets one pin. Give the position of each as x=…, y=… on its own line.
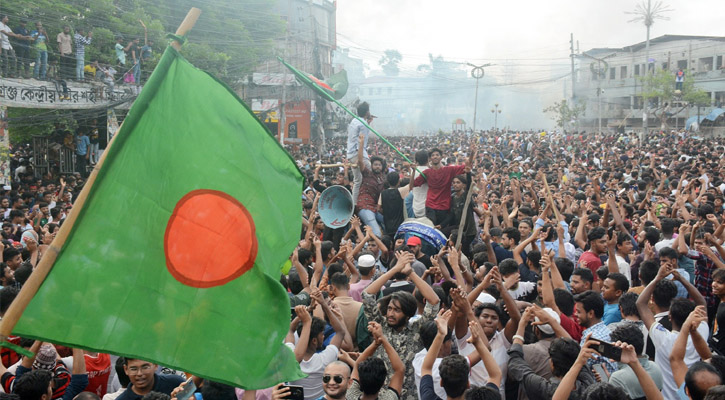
x=590, y=267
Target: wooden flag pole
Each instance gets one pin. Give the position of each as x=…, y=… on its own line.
x=30, y=288
x=554, y=207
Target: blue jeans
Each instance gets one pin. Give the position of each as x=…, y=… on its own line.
x=372, y=219
x=42, y=58
x=137, y=72
x=80, y=63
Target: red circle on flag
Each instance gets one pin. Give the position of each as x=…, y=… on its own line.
x=210, y=239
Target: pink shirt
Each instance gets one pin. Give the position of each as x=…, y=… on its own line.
x=357, y=288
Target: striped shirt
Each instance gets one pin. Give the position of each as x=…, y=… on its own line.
x=81, y=43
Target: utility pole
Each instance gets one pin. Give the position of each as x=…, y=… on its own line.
x=573, y=71
x=495, y=112
x=320, y=105
x=283, y=115
x=600, y=75
x=476, y=73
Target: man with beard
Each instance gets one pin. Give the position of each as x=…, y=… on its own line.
x=394, y=311
x=439, y=179
x=8, y=276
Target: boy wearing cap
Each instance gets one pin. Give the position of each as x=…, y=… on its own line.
x=366, y=266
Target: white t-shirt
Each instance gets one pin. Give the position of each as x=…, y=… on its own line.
x=419, y=195
x=664, y=340
x=418, y=367
x=522, y=289
x=314, y=368
x=664, y=243
x=624, y=268
x=499, y=349
x=4, y=42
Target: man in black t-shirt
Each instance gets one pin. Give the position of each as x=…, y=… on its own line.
x=144, y=380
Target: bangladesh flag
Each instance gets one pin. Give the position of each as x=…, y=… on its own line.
x=176, y=255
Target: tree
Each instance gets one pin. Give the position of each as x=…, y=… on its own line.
x=661, y=86
x=230, y=39
x=563, y=114
x=389, y=61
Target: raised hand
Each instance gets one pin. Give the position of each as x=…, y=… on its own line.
x=376, y=330
x=442, y=321
x=302, y=314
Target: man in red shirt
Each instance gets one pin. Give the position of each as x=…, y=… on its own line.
x=439, y=179
x=597, y=247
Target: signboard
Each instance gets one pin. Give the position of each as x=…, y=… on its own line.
x=297, y=116
x=261, y=105
x=270, y=79
x=5, y=178
x=33, y=94
x=111, y=125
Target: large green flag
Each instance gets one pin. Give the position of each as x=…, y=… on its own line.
x=176, y=255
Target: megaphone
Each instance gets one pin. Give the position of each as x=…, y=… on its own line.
x=335, y=206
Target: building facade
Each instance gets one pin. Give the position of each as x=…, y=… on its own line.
x=307, y=45
x=608, y=80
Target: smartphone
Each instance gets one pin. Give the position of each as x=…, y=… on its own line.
x=609, y=350
x=602, y=372
x=295, y=392
x=188, y=391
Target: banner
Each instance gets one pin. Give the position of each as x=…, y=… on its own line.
x=5, y=177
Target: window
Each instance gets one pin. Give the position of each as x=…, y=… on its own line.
x=390, y=90
x=665, y=66
x=612, y=73
x=623, y=72
x=705, y=64
x=681, y=64
x=636, y=70
x=380, y=90
x=719, y=63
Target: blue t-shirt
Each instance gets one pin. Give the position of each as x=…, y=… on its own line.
x=82, y=143
x=611, y=313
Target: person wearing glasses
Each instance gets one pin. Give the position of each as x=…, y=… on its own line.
x=144, y=380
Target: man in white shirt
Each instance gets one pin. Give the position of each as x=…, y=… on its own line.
x=311, y=339
x=9, y=60
x=664, y=339
x=354, y=131
x=428, y=332
x=420, y=193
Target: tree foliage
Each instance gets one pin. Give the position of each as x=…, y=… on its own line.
x=661, y=85
x=563, y=113
x=389, y=61
x=229, y=40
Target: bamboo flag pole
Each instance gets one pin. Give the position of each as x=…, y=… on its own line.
x=30, y=288
x=550, y=198
x=471, y=187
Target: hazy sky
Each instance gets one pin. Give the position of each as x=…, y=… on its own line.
x=530, y=34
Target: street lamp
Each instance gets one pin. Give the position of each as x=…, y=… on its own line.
x=646, y=13
x=495, y=112
x=477, y=73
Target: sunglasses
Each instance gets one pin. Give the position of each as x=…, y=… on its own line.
x=326, y=378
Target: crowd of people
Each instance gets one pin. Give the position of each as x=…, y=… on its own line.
x=579, y=266
x=65, y=59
